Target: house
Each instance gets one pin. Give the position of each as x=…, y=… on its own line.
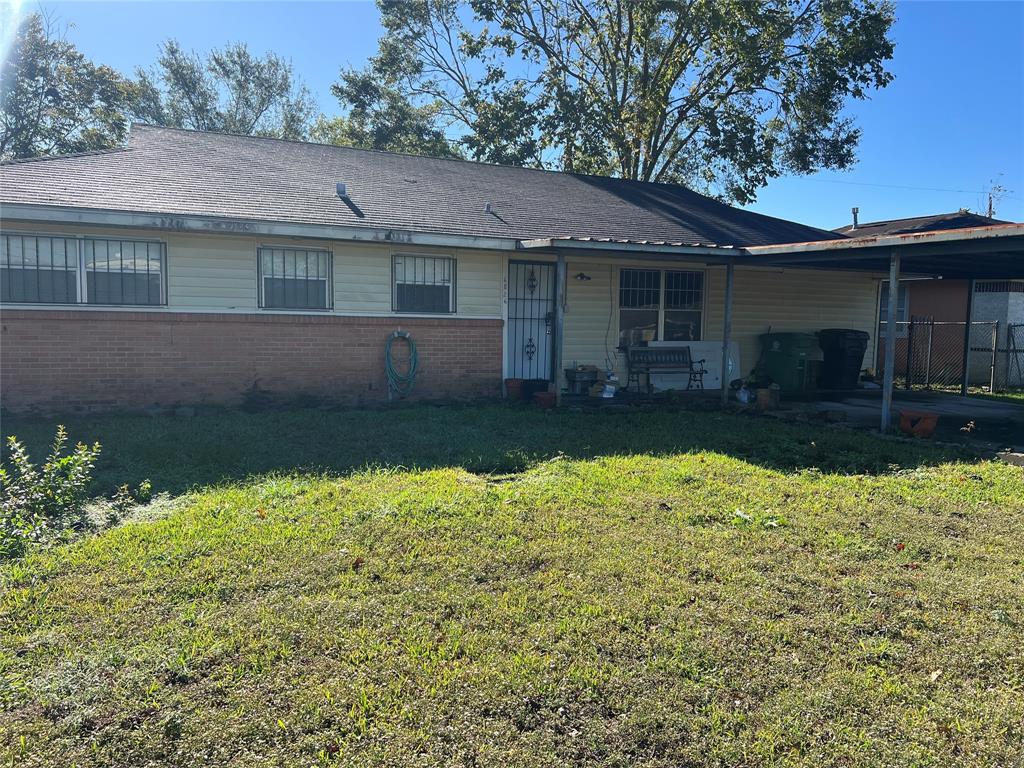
x=993, y=305
x=192, y=267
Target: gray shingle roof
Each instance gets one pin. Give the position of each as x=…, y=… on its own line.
x=179, y=172
x=938, y=222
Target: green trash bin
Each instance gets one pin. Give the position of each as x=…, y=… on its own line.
x=791, y=360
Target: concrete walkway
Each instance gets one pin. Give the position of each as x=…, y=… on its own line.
x=996, y=424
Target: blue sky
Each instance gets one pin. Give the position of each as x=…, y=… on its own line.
x=950, y=124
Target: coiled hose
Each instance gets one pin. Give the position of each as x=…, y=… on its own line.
x=401, y=384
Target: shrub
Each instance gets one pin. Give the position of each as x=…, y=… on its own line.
x=37, y=502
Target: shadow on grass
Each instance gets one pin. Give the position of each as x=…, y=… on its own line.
x=179, y=453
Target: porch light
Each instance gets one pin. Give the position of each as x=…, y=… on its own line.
x=583, y=277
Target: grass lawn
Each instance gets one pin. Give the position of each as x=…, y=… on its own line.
x=491, y=586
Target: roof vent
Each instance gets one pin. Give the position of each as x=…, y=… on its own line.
x=342, y=191
x=854, y=211
x=487, y=208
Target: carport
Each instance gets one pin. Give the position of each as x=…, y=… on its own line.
x=979, y=253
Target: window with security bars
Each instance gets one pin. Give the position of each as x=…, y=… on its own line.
x=123, y=272
x=294, y=278
x=684, y=305
x=424, y=284
x=38, y=269
x=660, y=305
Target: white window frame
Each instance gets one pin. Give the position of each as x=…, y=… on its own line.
x=452, y=285
x=661, y=300
x=81, y=270
x=328, y=278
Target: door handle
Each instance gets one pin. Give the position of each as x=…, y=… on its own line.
x=547, y=323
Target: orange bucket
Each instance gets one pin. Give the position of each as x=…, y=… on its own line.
x=918, y=423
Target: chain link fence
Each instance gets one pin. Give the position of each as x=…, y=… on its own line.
x=930, y=355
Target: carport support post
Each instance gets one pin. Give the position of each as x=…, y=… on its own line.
x=560, y=274
x=730, y=274
x=966, y=380
x=890, y=338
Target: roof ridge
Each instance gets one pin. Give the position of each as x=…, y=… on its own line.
x=42, y=158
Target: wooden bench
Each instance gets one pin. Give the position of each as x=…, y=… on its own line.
x=648, y=360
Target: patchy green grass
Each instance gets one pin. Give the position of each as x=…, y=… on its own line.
x=504, y=587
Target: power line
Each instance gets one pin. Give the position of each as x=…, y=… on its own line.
x=903, y=186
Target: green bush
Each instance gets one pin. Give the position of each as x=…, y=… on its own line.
x=38, y=502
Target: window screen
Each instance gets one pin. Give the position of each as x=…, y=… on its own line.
x=424, y=284
x=293, y=278
x=41, y=270
x=123, y=272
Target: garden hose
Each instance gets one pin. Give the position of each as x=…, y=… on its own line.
x=400, y=384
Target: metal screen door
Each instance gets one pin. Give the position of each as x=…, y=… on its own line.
x=529, y=343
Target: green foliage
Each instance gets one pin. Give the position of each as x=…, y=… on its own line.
x=38, y=502
x=380, y=117
x=229, y=90
x=53, y=100
x=720, y=94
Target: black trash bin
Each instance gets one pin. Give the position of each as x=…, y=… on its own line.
x=843, y=350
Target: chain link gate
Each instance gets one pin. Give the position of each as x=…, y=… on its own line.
x=930, y=355
x=1013, y=354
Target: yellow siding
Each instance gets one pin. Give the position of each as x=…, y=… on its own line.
x=786, y=300
x=590, y=339
x=479, y=282
x=362, y=278
x=211, y=273
x=218, y=272
x=791, y=300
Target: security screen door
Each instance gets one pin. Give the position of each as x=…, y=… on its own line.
x=529, y=341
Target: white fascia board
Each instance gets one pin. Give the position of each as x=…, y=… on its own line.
x=167, y=222
x=641, y=248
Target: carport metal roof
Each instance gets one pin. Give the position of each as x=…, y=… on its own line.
x=993, y=252
x=981, y=253
x=976, y=253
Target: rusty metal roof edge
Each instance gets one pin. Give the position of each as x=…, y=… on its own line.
x=892, y=241
x=639, y=246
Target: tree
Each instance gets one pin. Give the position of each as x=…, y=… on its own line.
x=55, y=101
x=719, y=94
x=230, y=90
x=380, y=117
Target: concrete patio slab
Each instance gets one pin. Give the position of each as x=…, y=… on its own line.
x=976, y=419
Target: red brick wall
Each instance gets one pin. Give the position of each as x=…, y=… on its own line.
x=64, y=360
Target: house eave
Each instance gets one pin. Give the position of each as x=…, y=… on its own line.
x=623, y=247
x=195, y=224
